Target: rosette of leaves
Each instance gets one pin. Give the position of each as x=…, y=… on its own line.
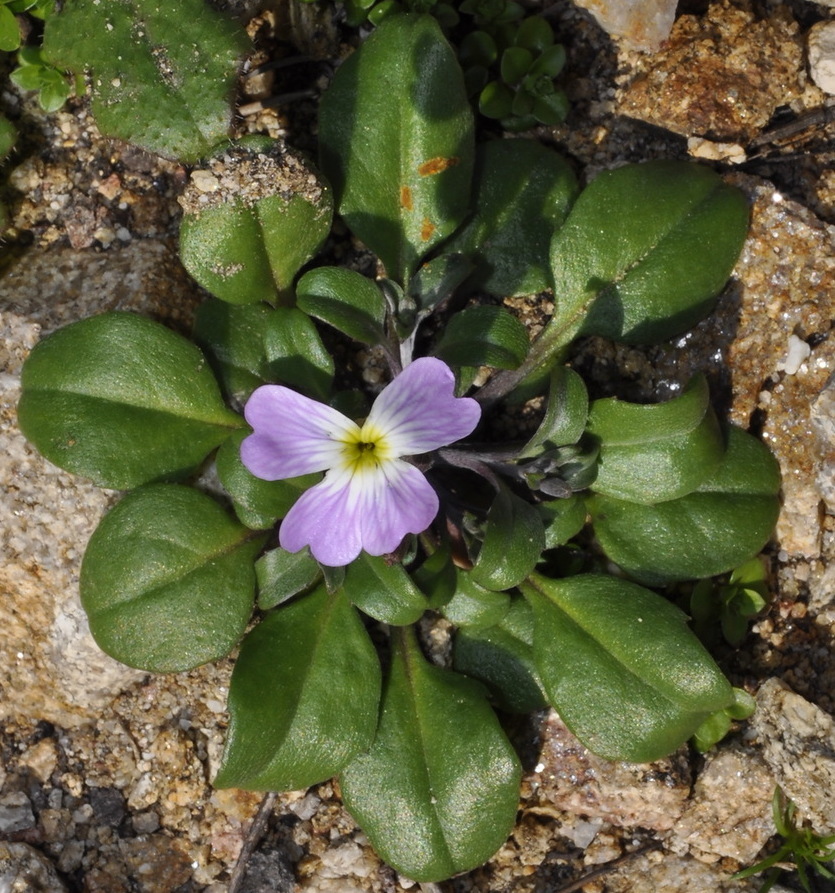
x=171, y=575
x=162, y=75
x=513, y=74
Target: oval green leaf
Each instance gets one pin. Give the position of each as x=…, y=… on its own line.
x=522, y=194
x=644, y=251
x=514, y=540
x=437, y=791
x=304, y=696
x=163, y=74
x=282, y=574
x=621, y=666
x=168, y=579
x=123, y=401
x=253, y=217
x=566, y=413
x=351, y=303
x=724, y=522
x=656, y=452
x=473, y=605
x=501, y=657
x=383, y=591
x=396, y=138
x=484, y=336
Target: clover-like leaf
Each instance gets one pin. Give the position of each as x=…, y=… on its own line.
x=163, y=74
x=304, y=696
x=254, y=215
x=346, y=300
x=621, y=666
x=501, y=657
x=483, y=336
x=514, y=539
x=384, y=591
x=645, y=250
x=168, y=580
x=725, y=521
x=257, y=503
x=437, y=791
x=522, y=194
x=122, y=400
x=396, y=138
x=655, y=452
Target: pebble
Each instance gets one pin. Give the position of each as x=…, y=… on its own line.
x=821, y=52
x=15, y=813
x=24, y=870
x=640, y=24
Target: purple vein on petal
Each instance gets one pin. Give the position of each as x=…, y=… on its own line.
x=293, y=435
x=419, y=412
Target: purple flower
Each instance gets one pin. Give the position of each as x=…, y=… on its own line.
x=370, y=497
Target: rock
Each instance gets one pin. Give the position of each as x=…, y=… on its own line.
x=676, y=874
x=823, y=420
x=820, y=44
x=695, y=87
x=58, y=672
x=573, y=779
x=15, y=813
x=797, y=741
x=24, y=870
x=641, y=24
x=729, y=814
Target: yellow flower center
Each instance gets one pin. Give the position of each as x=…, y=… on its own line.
x=365, y=449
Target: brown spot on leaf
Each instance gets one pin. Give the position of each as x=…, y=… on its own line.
x=427, y=228
x=406, y=198
x=437, y=165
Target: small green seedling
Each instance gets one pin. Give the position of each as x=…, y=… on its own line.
x=734, y=602
x=801, y=847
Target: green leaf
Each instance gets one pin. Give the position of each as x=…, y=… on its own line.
x=9, y=31
x=563, y=519
x=122, y=400
x=304, y=696
x=346, y=300
x=501, y=657
x=257, y=503
x=473, y=605
x=522, y=194
x=621, y=667
x=514, y=540
x=495, y=100
x=566, y=413
x=653, y=453
x=232, y=337
x=383, y=591
x=282, y=574
x=167, y=580
x=535, y=34
x=54, y=90
x=295, y=353
x=396, y=137
x=725, y=521
x=163, y=74
x=254, y=215
x=438, y=790
x=483, y=336
x=644, y=251
x=437, y=577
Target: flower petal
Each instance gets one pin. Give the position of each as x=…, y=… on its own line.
x=419, y=412
x=371, y=510
x=293, y=435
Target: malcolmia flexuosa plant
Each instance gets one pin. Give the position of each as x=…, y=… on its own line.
x=350, y=517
